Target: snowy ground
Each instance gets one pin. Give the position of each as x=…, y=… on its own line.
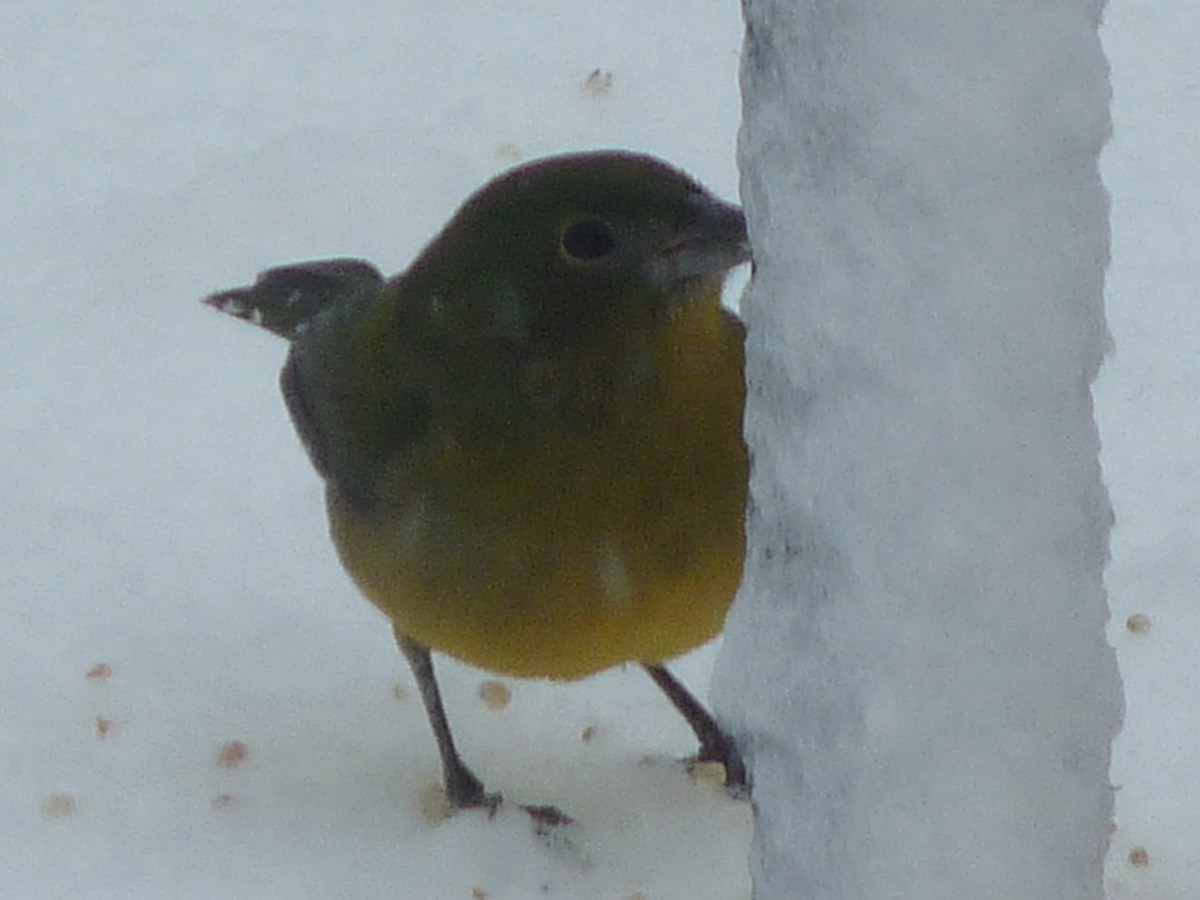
x=1150, y=426
x=160, y=517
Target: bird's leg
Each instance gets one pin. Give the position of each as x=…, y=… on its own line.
x=715, y=744
x=464, y=790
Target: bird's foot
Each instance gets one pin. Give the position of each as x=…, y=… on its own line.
x=440, y=803
x=547, y=818
x=720, y=763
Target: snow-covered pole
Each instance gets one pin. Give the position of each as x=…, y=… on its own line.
x=917, y=666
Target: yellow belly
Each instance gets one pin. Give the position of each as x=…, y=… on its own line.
x=569, y=551
x=559, y=604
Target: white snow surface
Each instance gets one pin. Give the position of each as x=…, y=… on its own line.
x=160, y=518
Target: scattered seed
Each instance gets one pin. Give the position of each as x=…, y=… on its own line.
x=59, y=806
x=434, y=804
x=598, y=83
x=1137, y=624
x=495, y=694
x=232, y=754
x=709, y=774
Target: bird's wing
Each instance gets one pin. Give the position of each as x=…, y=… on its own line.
x=352, y=398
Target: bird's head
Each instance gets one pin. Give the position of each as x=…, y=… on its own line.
x=570, y=244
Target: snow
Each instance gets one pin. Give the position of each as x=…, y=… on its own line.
x=160, y=516
x=1146, y=406
x=918, y=665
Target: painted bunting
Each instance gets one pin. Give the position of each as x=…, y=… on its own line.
x=531, y=440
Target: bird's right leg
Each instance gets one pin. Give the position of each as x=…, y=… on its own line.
x=464, y=790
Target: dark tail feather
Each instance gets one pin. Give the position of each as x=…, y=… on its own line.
x=286, y=299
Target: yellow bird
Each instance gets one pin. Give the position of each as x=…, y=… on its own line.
x=531, y=440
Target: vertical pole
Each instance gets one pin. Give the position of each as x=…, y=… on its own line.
x=917, y=668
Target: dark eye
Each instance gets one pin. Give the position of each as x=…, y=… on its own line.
x=588, y=240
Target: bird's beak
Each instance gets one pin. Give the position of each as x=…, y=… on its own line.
x=709, y=239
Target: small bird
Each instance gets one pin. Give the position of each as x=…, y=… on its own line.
x=531, y=440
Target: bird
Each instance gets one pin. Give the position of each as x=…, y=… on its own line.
x=531, y=439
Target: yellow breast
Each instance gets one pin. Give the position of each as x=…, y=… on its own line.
x=561, y=549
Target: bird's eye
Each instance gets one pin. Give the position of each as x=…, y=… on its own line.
x=587, y=240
